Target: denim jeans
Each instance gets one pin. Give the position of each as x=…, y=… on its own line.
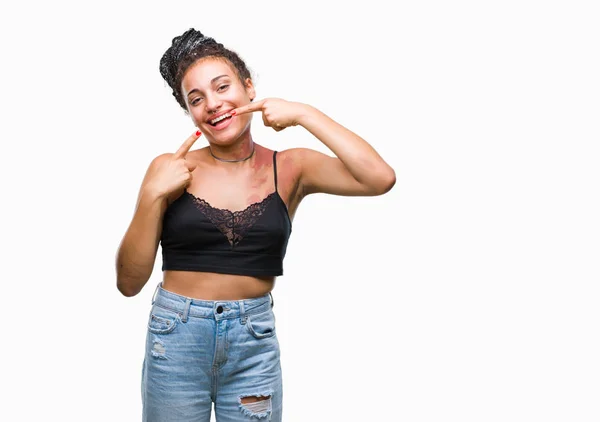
x=202, y=352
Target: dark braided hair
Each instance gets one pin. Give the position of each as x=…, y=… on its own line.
x=185, y=50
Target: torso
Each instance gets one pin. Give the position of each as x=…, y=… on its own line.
x=234, y=190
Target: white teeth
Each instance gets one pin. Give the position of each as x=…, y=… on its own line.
x=218, y=119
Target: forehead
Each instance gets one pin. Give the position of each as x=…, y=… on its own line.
x=203, y=71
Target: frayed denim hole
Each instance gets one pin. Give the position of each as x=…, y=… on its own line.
x=258, y=409
x=158, y=349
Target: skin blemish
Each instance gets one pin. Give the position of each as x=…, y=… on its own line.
x=263, y=160
x=259, y=182
x=254, y=198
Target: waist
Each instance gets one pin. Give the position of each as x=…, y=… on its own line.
x=216, y=286
x=200, y=308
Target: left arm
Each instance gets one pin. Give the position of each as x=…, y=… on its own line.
x=358, y=170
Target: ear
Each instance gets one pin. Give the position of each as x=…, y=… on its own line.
x=250, y=89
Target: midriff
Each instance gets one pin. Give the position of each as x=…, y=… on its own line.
x=214, y=286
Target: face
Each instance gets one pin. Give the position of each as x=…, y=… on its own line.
x=211, y=88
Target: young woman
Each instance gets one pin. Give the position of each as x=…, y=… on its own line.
x=223, y=216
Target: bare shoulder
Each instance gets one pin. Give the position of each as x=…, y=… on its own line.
x=288, y=176
x=152, y=167
x=322, y=173
x=299, y=159
x=290, y=161
x=305, y=160
x=161, y=158
x=298, y=153
x=297, y=156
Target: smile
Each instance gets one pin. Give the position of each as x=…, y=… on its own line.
x=218, y=119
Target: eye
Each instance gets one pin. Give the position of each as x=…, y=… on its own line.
x=223, y=87
x=196, y=100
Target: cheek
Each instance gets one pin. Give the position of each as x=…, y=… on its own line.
x=196, y=119
x=245, y=119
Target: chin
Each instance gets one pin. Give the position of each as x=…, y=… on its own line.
x=224, y=139
x=227, y=137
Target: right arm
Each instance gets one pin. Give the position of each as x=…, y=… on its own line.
x=137, y=252
x=166, y=176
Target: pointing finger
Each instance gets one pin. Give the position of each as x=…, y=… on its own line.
x=257, y=106
x=185, y=147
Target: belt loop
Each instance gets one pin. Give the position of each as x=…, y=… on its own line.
x=186, y=309
x=272, y=300
x=155, y=292
x=242, y=312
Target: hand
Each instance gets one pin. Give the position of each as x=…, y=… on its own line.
x=276, y=113
x=174, y=173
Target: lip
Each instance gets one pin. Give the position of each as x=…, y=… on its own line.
x=223, y=124
x=217, y=115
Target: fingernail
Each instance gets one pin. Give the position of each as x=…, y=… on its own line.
x=198, y=133
x=232, y=112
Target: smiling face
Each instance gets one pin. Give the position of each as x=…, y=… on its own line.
x=211, y=88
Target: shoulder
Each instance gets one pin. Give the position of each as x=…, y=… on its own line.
x=287, y=156
x=159, y=159
x=294, y=159
x=193, y=156
x=304, y=159
x=298, y=162
x=298, y=156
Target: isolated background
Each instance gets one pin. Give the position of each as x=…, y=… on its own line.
x=467, y=293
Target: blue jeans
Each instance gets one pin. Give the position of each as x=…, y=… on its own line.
x=203, y=352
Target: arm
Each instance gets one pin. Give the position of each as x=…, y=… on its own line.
x=137, y=252
x=166, y=176
x=358, y=170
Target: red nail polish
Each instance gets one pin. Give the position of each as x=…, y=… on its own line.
x=232, y=112
x=198, y=133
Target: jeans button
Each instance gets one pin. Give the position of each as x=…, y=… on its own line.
x=219, y=309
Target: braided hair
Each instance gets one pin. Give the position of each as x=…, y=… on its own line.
x=185, y=50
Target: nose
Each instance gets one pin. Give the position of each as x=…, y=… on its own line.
x=213, y=103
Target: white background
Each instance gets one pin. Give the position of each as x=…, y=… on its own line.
x=467, y=293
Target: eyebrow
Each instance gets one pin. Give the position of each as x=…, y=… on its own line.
x=212, y=81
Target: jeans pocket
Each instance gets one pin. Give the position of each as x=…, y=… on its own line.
x=162, y=321
x=261, y=325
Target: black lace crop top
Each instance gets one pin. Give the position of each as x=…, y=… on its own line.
x=198, y=237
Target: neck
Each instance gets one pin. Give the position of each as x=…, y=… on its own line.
x=233, y=154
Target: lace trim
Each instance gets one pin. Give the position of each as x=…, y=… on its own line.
x=233, y=224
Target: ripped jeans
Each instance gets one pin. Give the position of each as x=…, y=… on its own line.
x=203, y=352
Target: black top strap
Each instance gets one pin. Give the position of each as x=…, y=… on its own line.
x=275, y=168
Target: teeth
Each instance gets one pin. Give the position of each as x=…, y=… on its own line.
x=218, y=119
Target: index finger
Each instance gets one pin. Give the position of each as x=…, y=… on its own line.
x=257, y=106
x=185, y=147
